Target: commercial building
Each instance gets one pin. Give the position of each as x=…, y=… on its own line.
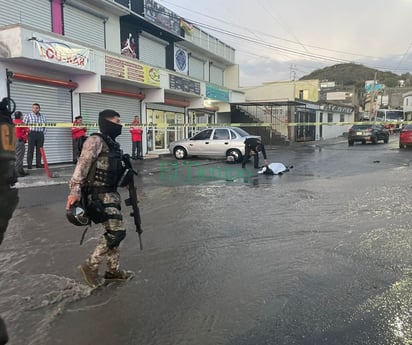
x=77, y=57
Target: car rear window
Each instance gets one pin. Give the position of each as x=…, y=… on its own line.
x=360, y=127
x=241, y=132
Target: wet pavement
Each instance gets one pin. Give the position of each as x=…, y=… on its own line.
x=319, y=255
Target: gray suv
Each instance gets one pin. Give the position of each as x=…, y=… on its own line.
x=368, y=133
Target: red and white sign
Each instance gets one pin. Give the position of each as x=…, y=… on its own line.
x=63, y=53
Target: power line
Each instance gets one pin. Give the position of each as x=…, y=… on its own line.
x=288, y=51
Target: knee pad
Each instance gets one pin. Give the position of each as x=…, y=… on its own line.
x=113, y=238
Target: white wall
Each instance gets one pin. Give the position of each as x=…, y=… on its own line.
x=332, y=131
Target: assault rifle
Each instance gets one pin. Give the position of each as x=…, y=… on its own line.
x=132, y=200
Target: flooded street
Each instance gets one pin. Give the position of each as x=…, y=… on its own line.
x=319, y=255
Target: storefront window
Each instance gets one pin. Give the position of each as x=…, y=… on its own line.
x=167, y=127
x=199, y=117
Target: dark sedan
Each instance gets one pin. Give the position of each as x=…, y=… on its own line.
x=405, y=137
x=368, y=133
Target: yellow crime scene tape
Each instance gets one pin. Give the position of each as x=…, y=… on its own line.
x=168, y=125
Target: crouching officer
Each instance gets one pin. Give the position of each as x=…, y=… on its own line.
x=8, y=194
x=96, y=175
x=252, y=148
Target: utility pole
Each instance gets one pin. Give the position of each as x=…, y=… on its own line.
x=292, y=72
x=373, y=103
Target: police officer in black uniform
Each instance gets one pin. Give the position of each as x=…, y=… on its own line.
x=8, y=194
x=252, y=148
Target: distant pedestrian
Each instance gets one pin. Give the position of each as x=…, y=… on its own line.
x=252, y=148
x=21, y=140
x=136, y=132
x=78, y=136
x=36, y=135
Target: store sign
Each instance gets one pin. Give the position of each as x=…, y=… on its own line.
x=337, y=108
x=63, y=53
x=183, y=84
x=181, y=60
x=161, y=16
x=133, y=71
x=216, y=92
x=129, y=47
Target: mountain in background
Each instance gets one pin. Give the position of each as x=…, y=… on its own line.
x=350, y=74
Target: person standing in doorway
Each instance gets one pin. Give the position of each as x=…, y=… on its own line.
x=21, y=140
x=36, y=135
x=136, y=132
x=78, y=136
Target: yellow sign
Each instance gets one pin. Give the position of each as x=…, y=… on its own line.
x=126, y=69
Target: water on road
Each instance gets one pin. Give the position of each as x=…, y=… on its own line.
x=319, y=255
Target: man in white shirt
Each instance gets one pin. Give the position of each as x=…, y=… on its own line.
x=36, y=135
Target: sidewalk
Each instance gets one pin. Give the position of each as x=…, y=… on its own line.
x=61, y=173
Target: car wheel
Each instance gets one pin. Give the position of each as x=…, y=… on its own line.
x=386, y=140
x=374, y=140
x=402, y=146
x=350, y=142
x=236, y=154
x=180, y=152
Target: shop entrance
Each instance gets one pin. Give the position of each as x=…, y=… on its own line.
x=305, y=130
x=163, y=128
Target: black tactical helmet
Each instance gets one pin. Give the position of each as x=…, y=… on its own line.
x=77, y=215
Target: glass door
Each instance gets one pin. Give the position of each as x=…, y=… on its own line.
x=163, y=128
x=175, y=129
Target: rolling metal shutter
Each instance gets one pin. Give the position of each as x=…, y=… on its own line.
x=55, y=104
x=35, y=13
x=83, y=26
x=196, y=68
x=93, y=103
x=216, y=75
x=164, y=107
x=151, y=52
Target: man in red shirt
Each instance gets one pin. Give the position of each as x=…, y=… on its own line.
x=136, y=132
x=78, y=136
x=21, y=140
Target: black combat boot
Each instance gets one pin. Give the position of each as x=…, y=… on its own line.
x=119, y=275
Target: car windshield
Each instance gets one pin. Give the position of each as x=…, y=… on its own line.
x=394, y=115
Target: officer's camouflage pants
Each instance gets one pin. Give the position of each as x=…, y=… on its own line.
x=101, y=251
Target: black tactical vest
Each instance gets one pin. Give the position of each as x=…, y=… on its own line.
x=109, y=167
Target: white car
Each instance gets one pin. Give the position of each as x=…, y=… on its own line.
x=217, y=142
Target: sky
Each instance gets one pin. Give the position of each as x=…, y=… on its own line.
x=284, y=40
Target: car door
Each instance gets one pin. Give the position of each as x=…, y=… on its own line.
x=199, y=144
x=219, y=143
